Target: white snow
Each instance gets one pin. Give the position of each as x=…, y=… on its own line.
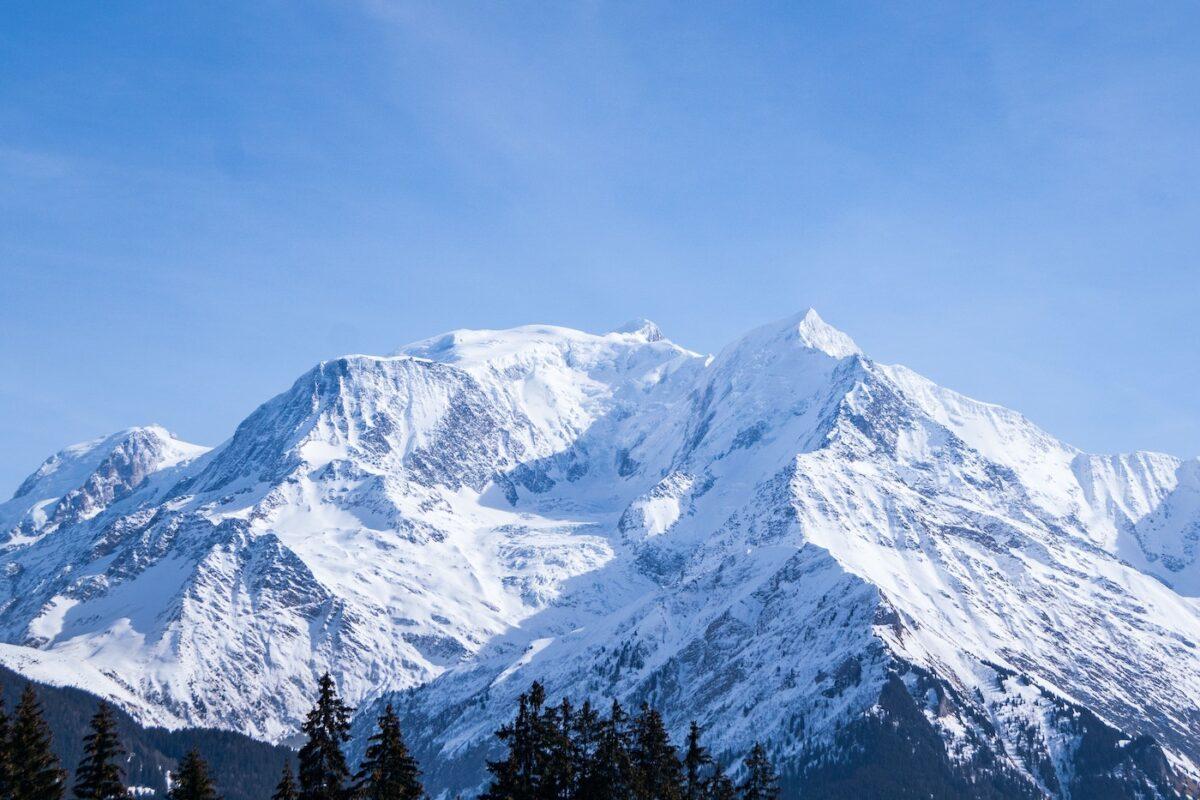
x=749, y=538
x=820, y=335
x=534, y=647
x=57, y=669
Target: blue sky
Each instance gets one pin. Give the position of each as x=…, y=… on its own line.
x=199, y=201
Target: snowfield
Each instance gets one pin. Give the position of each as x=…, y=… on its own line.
x=773, y=541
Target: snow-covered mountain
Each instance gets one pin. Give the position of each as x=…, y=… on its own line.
x=786, y=541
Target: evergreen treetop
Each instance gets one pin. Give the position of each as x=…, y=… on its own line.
x=658, y=773
x=719, y=786
x=388, y=770
x=5, y=759
x=100, y=776
x=286, y=788
x=609, y=774
x=696, y=761
x=514, y=777
x=761, y=782
x=191, y=782
x=323, y=771
x=33, y=771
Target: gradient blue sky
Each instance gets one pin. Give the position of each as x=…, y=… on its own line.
x=199, y=201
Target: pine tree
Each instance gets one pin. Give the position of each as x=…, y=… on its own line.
x=586, y=728
x=99, y=776
x=5, y=758
x=34, y=772
x=761, y=782
x=541, y=726
x=695, y=761
x=286, y=788
x=544, y=760
x=323, y=770
x=557, y=753
x=191, y=782
x=514, y=778
x=609, y=774
x=560, y=761
x=388, y=771
x=718, y=786
x=659, y=775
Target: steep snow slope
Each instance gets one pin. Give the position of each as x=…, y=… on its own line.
x=357, y=522
x=787, y=539
x=822, y=522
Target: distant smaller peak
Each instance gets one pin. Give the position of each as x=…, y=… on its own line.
x=69, y=467
x=106, y=444
x=818, y=334
x=138, y=434
x=642, y=327
x=153, y=429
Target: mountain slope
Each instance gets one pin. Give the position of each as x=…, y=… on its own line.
x=788, y=538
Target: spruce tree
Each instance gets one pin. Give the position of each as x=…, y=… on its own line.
x=544, y=760
x=658, y=773
x=610, y=774
x=388, y=770
x=286, y=788
x=695, y=762
x=323, y=770
x=99, y=775
x=761, y=782
x=539, y=739
x=556, y=753
x=719, y=786
x=586, y=728
x=513, y=778
x=191, y=782
x=34, y=772
x=5, y=759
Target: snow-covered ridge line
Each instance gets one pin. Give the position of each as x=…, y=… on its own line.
x=780, y=537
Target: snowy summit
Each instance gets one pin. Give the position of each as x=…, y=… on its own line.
x=786, y=541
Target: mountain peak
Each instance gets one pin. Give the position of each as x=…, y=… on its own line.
x=69, y=467
x=807, y=330
x=818, y=334
x=642, y=327
x=783, y=538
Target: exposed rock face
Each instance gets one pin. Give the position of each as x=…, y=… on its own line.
x=786, y=541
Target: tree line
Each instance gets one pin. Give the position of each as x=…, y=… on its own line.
x=551, y=752
x=29, y=769
x=556, y=752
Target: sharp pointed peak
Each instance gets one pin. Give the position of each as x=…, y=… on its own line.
x=809, y=331
x=641, y=327
x=818, y=334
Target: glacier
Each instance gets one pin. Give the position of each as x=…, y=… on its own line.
x=786, y=540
